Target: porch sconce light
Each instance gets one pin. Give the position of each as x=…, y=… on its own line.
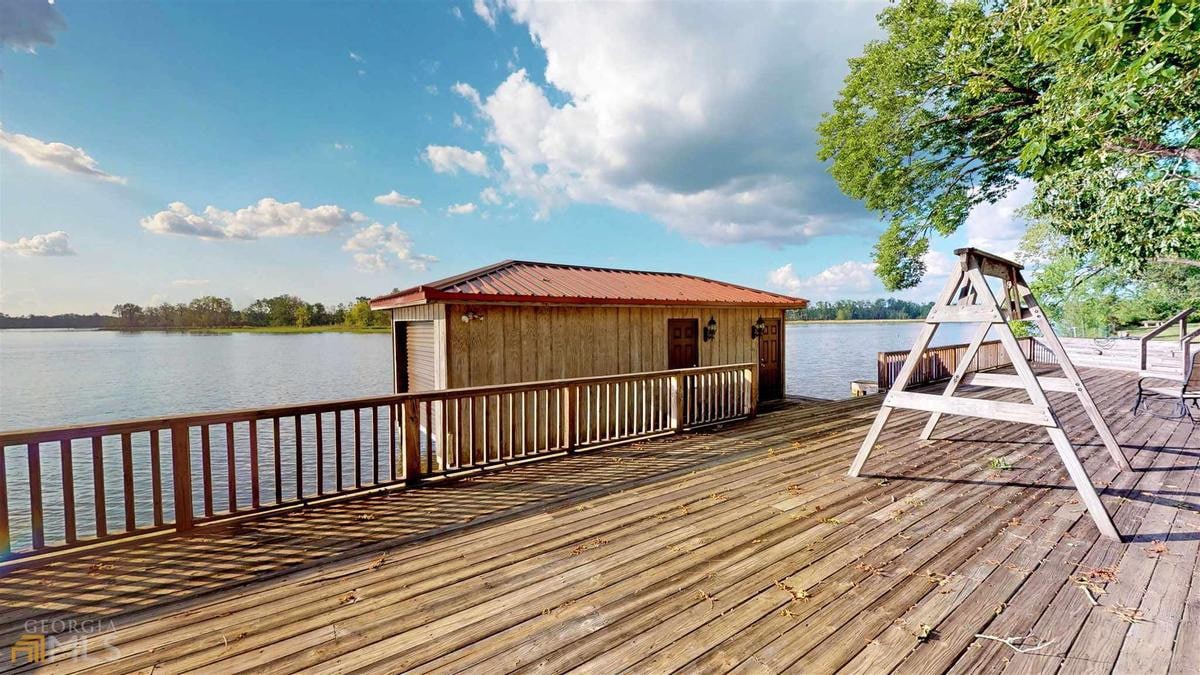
x=710, y=329
x=758, y=328
x=468, y=317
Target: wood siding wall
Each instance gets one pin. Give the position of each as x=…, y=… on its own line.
x=527, y=343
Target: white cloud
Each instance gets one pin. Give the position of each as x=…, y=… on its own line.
x=267, y=218
x=431, y=89
x=489, y=195
x=50, y=244
x=848, y=278
x=461, y=209
x=456, y=12
x=468, y=92
x=857, y=280
x=357, y=58
x=342, y=146
x=459, y=122
x=486, y=10
x=451, y=159
x=394, y=198
x=785, y=278
x=998, y=227
x=189, y=282
x=55, y=156
x=25, y=24
x=666, y=110
x=938, y=264
x=377, y=247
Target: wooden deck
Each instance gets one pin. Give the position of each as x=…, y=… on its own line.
x=745, y=548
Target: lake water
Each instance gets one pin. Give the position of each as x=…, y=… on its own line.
x=59, y=377
x=53, y=377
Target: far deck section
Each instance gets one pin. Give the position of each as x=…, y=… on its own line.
x=1162, y=356
x=745, y=548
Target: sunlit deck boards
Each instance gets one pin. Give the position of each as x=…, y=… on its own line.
x=742, y=549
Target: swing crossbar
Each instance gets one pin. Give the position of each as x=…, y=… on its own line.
x=1005, y=411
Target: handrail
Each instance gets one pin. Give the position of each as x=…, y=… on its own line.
x=208, y=467
x=1185, y=348
x=50, y=434
x=938, y=363
x=1180, y=317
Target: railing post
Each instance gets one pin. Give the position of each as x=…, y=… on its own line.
x=677, y=396
x=181, y=472
x=752, y=404
x=570, y=424
x=412, y=441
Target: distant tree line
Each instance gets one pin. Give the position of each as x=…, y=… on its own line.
x=213, y=312
x=847, y=310
x=55, y=321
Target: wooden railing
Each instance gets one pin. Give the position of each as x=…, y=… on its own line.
x=1182, y=319
x=65, y=487
x=938, y=363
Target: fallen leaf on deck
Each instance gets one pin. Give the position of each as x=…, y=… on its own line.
x=1157, y=548
x=1127, y=614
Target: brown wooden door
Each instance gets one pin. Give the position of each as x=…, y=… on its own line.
x=683, y=349
x=770, y=372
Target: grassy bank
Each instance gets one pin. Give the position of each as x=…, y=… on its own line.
x=277, y=330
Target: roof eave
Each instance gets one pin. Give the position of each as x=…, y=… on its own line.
x=434, y=295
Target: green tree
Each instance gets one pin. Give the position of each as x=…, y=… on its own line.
x=209, y=312
x=1084, y=296
x=129, y=315
x=359, y=314
x=303, y=316
x=1098, y=103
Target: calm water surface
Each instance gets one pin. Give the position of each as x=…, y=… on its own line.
x=52, y=377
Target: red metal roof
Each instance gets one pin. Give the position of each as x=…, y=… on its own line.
x=519, y=281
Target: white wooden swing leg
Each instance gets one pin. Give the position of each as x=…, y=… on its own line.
x=1083, y=484
x=906, y=371
x=956, y=379
x=1072, y=375
x=864, y=450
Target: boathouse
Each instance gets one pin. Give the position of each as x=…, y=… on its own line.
x=521, y=321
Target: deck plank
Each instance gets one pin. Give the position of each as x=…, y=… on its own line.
x=744, y=548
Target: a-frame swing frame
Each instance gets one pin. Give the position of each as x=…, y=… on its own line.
x=967, y=298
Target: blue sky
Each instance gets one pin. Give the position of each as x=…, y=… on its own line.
x=672, y=136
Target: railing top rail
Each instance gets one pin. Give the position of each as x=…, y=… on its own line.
x=961, y=345
x=1190, y=336
x=76, y=431
x=1167, y=323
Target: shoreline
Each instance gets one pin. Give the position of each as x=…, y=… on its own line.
x=791, y=321
x=268, y=330
x=271, y=330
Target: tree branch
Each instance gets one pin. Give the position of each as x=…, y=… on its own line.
x=1141, y=146
x=1170, y=260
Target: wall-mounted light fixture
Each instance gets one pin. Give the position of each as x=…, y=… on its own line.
x=758, y=328
x=469, y=316
x=710, y=329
